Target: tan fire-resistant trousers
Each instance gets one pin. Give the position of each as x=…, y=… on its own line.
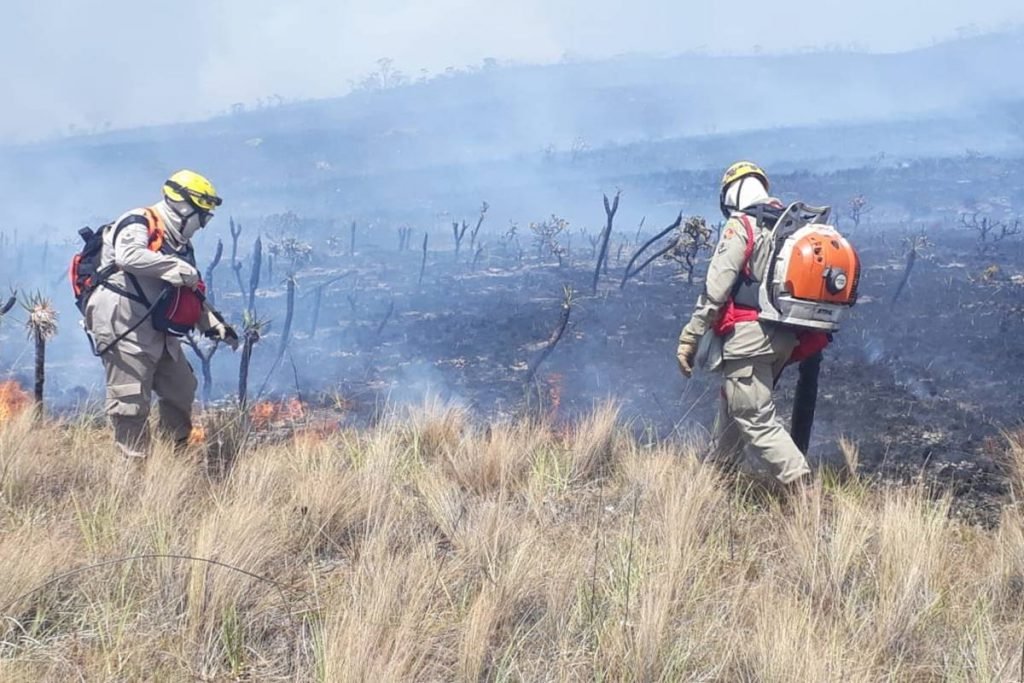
x=748, y=428
x=132, y=379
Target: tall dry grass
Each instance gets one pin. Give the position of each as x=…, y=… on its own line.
x=430, y=548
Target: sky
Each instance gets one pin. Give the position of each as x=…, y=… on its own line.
x=72, y=66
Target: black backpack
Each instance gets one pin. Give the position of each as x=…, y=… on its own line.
x=85, y=273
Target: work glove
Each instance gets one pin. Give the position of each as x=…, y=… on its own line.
x=186, y=276
x=685, y=354
x=223, y=332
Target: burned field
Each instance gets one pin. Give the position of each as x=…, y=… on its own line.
x=924, y=384
x=506, y=322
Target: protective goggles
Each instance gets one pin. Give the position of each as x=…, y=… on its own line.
x=200, y=200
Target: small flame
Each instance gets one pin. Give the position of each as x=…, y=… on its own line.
x=262, y=414
x=266, y=413
x=198, y=436
x=13, y=400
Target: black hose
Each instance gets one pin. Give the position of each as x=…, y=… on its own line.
x=96, y=351
x=804, y=402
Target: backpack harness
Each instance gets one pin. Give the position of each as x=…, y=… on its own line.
x=176, y=310
x=809, y=342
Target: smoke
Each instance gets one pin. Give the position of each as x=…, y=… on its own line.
x=590, y=116
x=120, y=63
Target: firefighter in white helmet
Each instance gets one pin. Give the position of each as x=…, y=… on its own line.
x=753, y=352
x=147, y=260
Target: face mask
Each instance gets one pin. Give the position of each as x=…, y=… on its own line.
x=193, y=224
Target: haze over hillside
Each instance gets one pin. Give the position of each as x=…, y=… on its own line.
x=517, y=127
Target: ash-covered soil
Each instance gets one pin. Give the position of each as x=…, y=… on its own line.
x=925, y=385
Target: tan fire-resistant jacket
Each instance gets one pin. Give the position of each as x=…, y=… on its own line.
x=109, y=314
x=750, y=339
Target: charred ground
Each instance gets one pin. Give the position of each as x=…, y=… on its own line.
x=925, y=384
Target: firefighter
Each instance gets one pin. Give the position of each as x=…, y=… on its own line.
x=752, y=352
x=148, y=251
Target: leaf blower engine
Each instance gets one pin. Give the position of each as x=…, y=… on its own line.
x=812, y=272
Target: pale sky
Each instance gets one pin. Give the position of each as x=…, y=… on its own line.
x=132, y=62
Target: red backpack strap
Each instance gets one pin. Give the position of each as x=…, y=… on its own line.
x=749, y=249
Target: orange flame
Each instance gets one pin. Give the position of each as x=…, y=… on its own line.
x=13, y=400
x=262, y=413
x=198, y=436
x=266, y=413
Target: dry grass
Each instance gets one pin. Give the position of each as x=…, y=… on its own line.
x=430, y=549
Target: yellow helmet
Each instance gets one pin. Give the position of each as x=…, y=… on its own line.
x=738, y=171
x=742, y=169
x=189, y=186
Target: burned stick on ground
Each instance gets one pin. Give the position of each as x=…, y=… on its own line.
x=353, y=298
x=217, y=254
x=41, y=327
x=318, y=295
x=459, y=232
x=254, y=275
x=479, y=222
x=236, y=265
x=289, y=315
x=916, y=245
x=556, y=335
x=286, y=332
x=423, y=264
x=252, y=331
x=205, y=363
x=236, y=232
x=639, y=230
x=631, y=271
x=610, y=208
x=298, y=385
x=477, y=255
x=352, y=239
x=387, y=317
x=404, y=237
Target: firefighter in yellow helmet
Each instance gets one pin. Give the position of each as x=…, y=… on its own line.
x=147, y=262
x=751, y=352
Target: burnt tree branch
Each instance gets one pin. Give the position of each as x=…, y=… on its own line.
x=423, y=263
x=556, y=335
x=630, y=271
x=217, y=254
x=479, y=223
x=254, y=276
x=610, y=208
x=205, y=363
x=459, y=232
